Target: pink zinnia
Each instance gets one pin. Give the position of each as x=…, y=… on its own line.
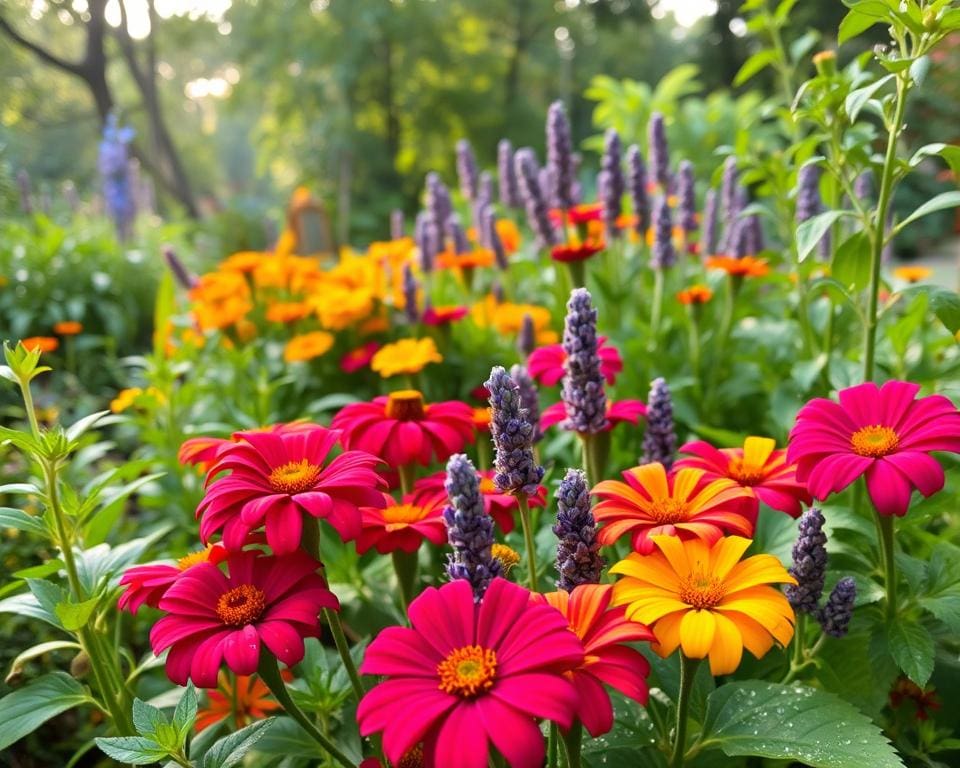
x=630, y=411
x=403, y=526
x=444, y=315
x=883, y=433
x=545, y=364
x=147, y=584
x=401, y=429
x=465, y=675
x=500, y=506
x=359, y=358
x=277, y=477
x=214, y=618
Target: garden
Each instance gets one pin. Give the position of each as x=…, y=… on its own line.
x=354, y=417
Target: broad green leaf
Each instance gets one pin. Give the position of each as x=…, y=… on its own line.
x=28, y=488
x=15, y=518
x=946, y=608
x=946, y=306
x=856, y=100
x=28, y=605
x=75, y=616
x=76, y=429
x=230, y=750
x=919, y=69
x=938, y=203
x=794, y=722
x=756, y=63
x=811, y=231
x=911, y=646
x=27, y=708
x=147, y=718
x=851, y=262
x=132, y=750
x=854, y=24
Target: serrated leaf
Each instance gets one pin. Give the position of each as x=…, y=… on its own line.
x=147, y=718
x=946, y=608
x=231, y=749
x=811, y=231
x=940, y=202
x=185, y=713
x=911, y=646
x=857, y=99
x=15, y=518
x=27, y=708
x=132, y=750
x=74, y=616
x=755, y=64
x=794, y=722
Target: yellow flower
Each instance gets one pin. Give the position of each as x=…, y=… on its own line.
x=133, y=396
x=912, y=274
x=405, y=356
x=287, y=311
x=307, y=346
x=243, y=261
x=338, y=308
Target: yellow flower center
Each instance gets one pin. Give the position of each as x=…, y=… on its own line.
x=405, y=405
x=399, y=516
x=241, y=605
x=193, y=558
x=874, y=441
x=468, y=671
x=666, y=511
x=701, y=591
x=507, y=556
x=294, y=477
x=745, y=473
x=488, y=486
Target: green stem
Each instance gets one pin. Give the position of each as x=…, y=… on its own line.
x=798, y=640
x=28, y=404
x=578, y=273
x=688, y=671
x=596, y=450
x=657, y=306
x=528, y=540
x=408, y=475
x=270, y=674
x=336, y=629
x=885, y=527
x=571, y=744
x=405, y=566
x=552, y=750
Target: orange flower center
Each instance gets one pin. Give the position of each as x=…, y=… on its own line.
x=668, y=511
x=700, y=591
x=405, y=405
x=487, y=485
x=874, y=441
x=241, y=605
x=746, y=473
x=468, y=671
x=399, y=516
x=193, y=558
x=507, y=556
x=294, y=477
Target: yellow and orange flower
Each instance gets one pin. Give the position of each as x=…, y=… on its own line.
x=42, y=343
x=481, y=419
x=288, y=311
x=245, y=700
x=695, y=295
x=912, y=274
x=707, y=601
x=653, y=502
x=478, y=257
x=405, y=356
x=307, y=346
x=68, y=328
x=133, y=396
x=243, y=261
x=746, y=266
x=507, y=318
x=338, y=307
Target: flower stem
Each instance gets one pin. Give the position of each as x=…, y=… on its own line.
x=596, y=450
x=336, y=629
x=270, y=674
x=528, y=540
x=552, y=755
x=885, y=528
x=572, y=744
x=405, y=566
x=657, y=306
x=408, y=474
x=688, y=671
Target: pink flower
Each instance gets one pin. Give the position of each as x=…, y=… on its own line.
x=465, y=675
x=882, y=433
x=444, y=315
x=403, y=526
x=545, y=364
x=214, y=618
x=630, y=411
x=147, y=584
x=277, y=477
x=359, y=358
x=500, y=506
x=402, y=429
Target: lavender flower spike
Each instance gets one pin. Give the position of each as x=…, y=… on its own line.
x=186, y=279
x=708, y=240
x=456, y=234
x=469, y=528
x=467, y=170
x=615, y=186
x=728, y=203
x=529, y=397
x=507, y=176
x=578, y=551
x=491, y=238
x=658, y=150
x=427, y=239
x=525, y=164
x=527, y=338
x=686, y=191
x=660, y=440
x=809, y=564
x=410, y=294
x=663, y=255
x=836, y=614
x=438, y=201
x=560, y=154
x=583, y=392
x=637, y=182
x=808, y=193
x=396, y=224
x=513, y=434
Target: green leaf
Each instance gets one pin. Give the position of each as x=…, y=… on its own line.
x=919, y=69
x=756, y=63
x=132, y=750
x=15, y=518
x=16, y=666
x=946, y=608
x=938, y=203
x=28, y=488
x=796, y=723
x=946, y=306
x=147, y=718
x=28, y=605
x=856, y=100
x=75, y=616
x=911, y=646
x=231, y=750
x=853, y=24
x=76, y=429
x=185, y=714
x=26, y=709
x=811, y=231
x=851, y=262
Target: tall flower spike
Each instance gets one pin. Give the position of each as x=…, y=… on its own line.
x=513, y=434
x=113, y=162
x=547, y=178
x=427, y=239
x=663, y=255
x=525, y=165
x=492, y=237
x=583, y=393
x=467, y=170
x=469, y=528
x=507, y=176
x=863, y=185
x=754, y=235
x=708, y=241
x=808, y=193
x=728, y=203
x=178, y=269
x=612, y=165
x=485, y=189
x=660, y=440
x=686, y=191
x=527, y=338
x=560, y=154
x=529, y=397
x=637, y=182
x=578, y=551
x=809, y=564
x=835, y=616
x=396, y=224
x=456, y=234
x=659, y=152
x=410, y=295
x=438, y=199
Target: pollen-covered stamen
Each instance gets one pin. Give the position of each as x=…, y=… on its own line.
x=193, y=558
x=468, y=671
x=507, y=556
x=405, y=405
x=294, y=477
x=667, y=511
x=399, y=516
x=874, y=441
x=241, y=605
x=701, y=591
x=412, y=758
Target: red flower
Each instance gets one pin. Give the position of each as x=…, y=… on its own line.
x=277, y=477
x=147, y=584
x=759, y=469
x=444, y=315
x=401, y=429
x=545, y=364
x=622, y=410
x=214, y=618
x=576, y=251
x=403, y=526
x=578, y=214
x=603, y=631
x=359, y=358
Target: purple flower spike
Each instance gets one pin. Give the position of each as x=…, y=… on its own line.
x=637, y=181
x=809, y=563
x=560, y=154
x=583, y=393
x=537, y=212
x=507, y=176
x=578, y=551
x=410, y=294
x=659, y=152
x=663, y=255
x=836, y=614
x=660, y=439
x=513, y=435
x=686, y=191
x=708, y=241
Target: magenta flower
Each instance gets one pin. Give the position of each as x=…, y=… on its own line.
x=630, y=411
x=214, y=618
x=545, y=364
x=466, y=675
x=147, y=584
x=277, y=477
x=882, y=433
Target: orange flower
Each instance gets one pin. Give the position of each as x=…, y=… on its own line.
x=695, y=294
x=307, y=346
x=705, y=600
x=507, y=318
x=481, y=419
x=339, y=307
x=405, y=356
x=42, y=343
x=246, y=700
x=653, y=502
x=747, y=266
x=912, y=274
x=509, y=235
x=478, y=257
x=288, y=311
x=244, y=261
x=68, y=328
